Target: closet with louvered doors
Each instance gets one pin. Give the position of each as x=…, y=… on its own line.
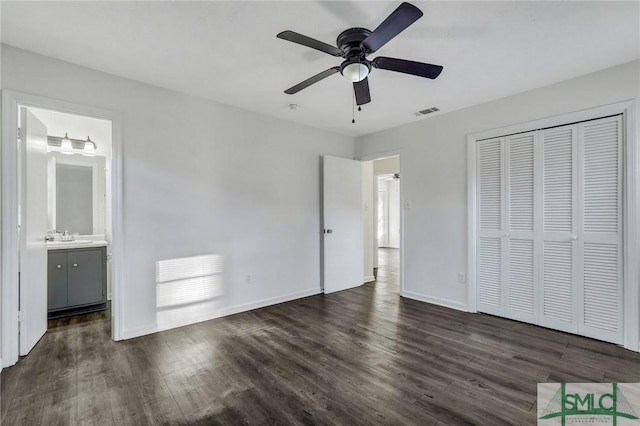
x=549, y=237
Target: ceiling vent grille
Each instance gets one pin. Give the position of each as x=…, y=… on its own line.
x=426, y=111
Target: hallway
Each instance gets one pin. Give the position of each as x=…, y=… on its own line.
x=389, y=269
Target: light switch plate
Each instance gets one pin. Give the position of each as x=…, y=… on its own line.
x=407, y=205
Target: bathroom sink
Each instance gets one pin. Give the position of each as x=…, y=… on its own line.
x=65, y=243
x=99, y=241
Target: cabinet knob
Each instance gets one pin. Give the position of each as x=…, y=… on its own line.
x=75, y=265
x=59, y=266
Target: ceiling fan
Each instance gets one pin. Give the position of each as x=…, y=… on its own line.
x=355, y=44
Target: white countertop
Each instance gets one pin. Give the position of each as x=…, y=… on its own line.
x=60, y=245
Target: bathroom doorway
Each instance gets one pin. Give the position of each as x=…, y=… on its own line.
x=79, y=219
x=61, y=180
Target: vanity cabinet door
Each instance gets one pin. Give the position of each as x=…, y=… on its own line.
x=85, y=276
x=57, y=280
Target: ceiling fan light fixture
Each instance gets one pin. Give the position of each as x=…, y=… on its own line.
x=355, y=71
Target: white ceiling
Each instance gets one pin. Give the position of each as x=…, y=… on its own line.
x=228, y=51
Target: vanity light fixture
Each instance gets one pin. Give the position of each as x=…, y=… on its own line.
x=89, y=148
x=65, y=146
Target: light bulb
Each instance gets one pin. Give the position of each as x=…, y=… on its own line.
x=66, y=147
x=355, y=71
x=89, y=148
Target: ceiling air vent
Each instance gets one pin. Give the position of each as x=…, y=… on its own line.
x=426, y=111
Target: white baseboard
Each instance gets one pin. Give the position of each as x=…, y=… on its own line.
x=435, y=300
x=154, y=328
x=368, y=279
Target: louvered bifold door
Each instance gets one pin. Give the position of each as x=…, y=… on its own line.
x=558, y=233
x=490, y=225
x=521, y=283
x=600, y=236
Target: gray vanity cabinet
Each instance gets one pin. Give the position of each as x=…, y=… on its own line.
x=57, y=280
x=77, y=278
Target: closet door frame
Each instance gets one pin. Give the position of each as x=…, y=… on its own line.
x=630, y=168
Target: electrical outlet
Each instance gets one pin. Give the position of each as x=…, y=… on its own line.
x=248, y=279
x=407, y=205
x=462, y=278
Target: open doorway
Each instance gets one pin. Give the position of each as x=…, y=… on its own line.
x=78, y=217
x=65, y=208
x=382, y=222
x=386, y=176
x=61, y=181
x=387, y=272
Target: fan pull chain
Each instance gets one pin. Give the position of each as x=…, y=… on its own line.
x=360, y=74
x=353, y=109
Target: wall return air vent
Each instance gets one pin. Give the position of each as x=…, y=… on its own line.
x=426, y=111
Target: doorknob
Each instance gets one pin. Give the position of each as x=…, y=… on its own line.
x=75, y=265
x=329, y=231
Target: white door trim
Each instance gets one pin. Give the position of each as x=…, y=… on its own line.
x=631, y=185
x=379, y=156
x=9, y=228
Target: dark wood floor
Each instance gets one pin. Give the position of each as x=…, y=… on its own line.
x=362, y=356
x=78, y=319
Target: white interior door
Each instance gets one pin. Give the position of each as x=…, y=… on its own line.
x=33, y=227
x=559, y=292
x=522, y=277
x=492, y=236
x=343, y=246
x=599, y=235
x=553, y=255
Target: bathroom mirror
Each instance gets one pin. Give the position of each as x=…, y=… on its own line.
x=74, y=198
x=77, y=194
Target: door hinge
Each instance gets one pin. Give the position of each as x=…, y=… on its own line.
x=20, y=319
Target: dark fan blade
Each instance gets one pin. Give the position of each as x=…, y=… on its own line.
x=308, y=82
x=408, y=67
x=361, y=89
x=405, y=15
x=310, y=42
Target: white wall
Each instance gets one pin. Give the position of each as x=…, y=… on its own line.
x=382, y=212
x=389, y=165
x=368, y=210
x=434, y=171
x=201, y=178
x=389, y=190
